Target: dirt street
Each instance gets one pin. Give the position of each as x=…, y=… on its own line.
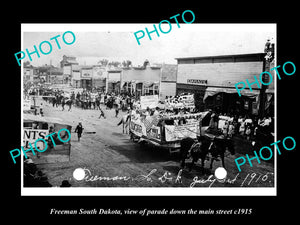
x=108, y=153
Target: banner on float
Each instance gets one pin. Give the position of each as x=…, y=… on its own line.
x=150, y=101
x=137, y=128
x=183, y=101
x=154, y=133
x=175, y=133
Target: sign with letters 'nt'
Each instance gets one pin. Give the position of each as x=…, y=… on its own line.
x=31, y=135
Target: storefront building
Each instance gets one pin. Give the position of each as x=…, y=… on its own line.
x=76, y=76
x=211, y=79
x=113, y=81
x=67, y=65
x=141, y=81
x=29, y=73
x=99, y=78
x=86, y=77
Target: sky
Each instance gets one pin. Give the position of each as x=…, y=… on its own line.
x=116, y=42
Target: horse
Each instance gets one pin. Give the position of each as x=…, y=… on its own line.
x=263, y=137
x=202, y=146
x=195, y=149
x=218, y=148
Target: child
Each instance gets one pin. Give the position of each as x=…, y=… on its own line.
x=117, y=109
x=231, y=129
x=225, y=129
x=248, y=132
x=242, y=128
x=79, y=130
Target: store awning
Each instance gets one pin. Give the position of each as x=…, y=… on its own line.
x=211, y=91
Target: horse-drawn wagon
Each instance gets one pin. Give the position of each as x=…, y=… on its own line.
x=167, y=131
x=188, y=133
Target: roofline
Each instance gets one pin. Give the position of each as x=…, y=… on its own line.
x=221, y=56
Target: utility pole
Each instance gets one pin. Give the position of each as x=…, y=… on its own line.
x=268, y=58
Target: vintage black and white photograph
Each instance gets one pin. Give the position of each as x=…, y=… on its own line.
x=131, y=109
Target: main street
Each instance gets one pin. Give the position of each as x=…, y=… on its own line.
x=106, y=153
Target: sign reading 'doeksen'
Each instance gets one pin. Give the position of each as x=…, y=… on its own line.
x=196, y=81
x=45, y=47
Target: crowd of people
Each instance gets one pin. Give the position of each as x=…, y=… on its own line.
x=244, y=126
x=230, y=125
x=90, y=100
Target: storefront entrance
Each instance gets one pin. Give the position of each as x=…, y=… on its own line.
x=230, y=103
x=87, y=84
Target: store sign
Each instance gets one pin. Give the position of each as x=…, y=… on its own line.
x=196, y=81
x=86, y=73
x=32, y=135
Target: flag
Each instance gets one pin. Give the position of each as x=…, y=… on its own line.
x=150, y=121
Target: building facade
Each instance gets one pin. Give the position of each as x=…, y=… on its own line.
x=29, y=73
x=141, y=80
x=67, y=61
x=168, y=81
x=55, y=75
x=67, y=64
x=211, y=79
x=113, y=81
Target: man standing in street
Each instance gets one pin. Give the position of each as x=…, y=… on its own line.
x=63, y=102
x=79, y=130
